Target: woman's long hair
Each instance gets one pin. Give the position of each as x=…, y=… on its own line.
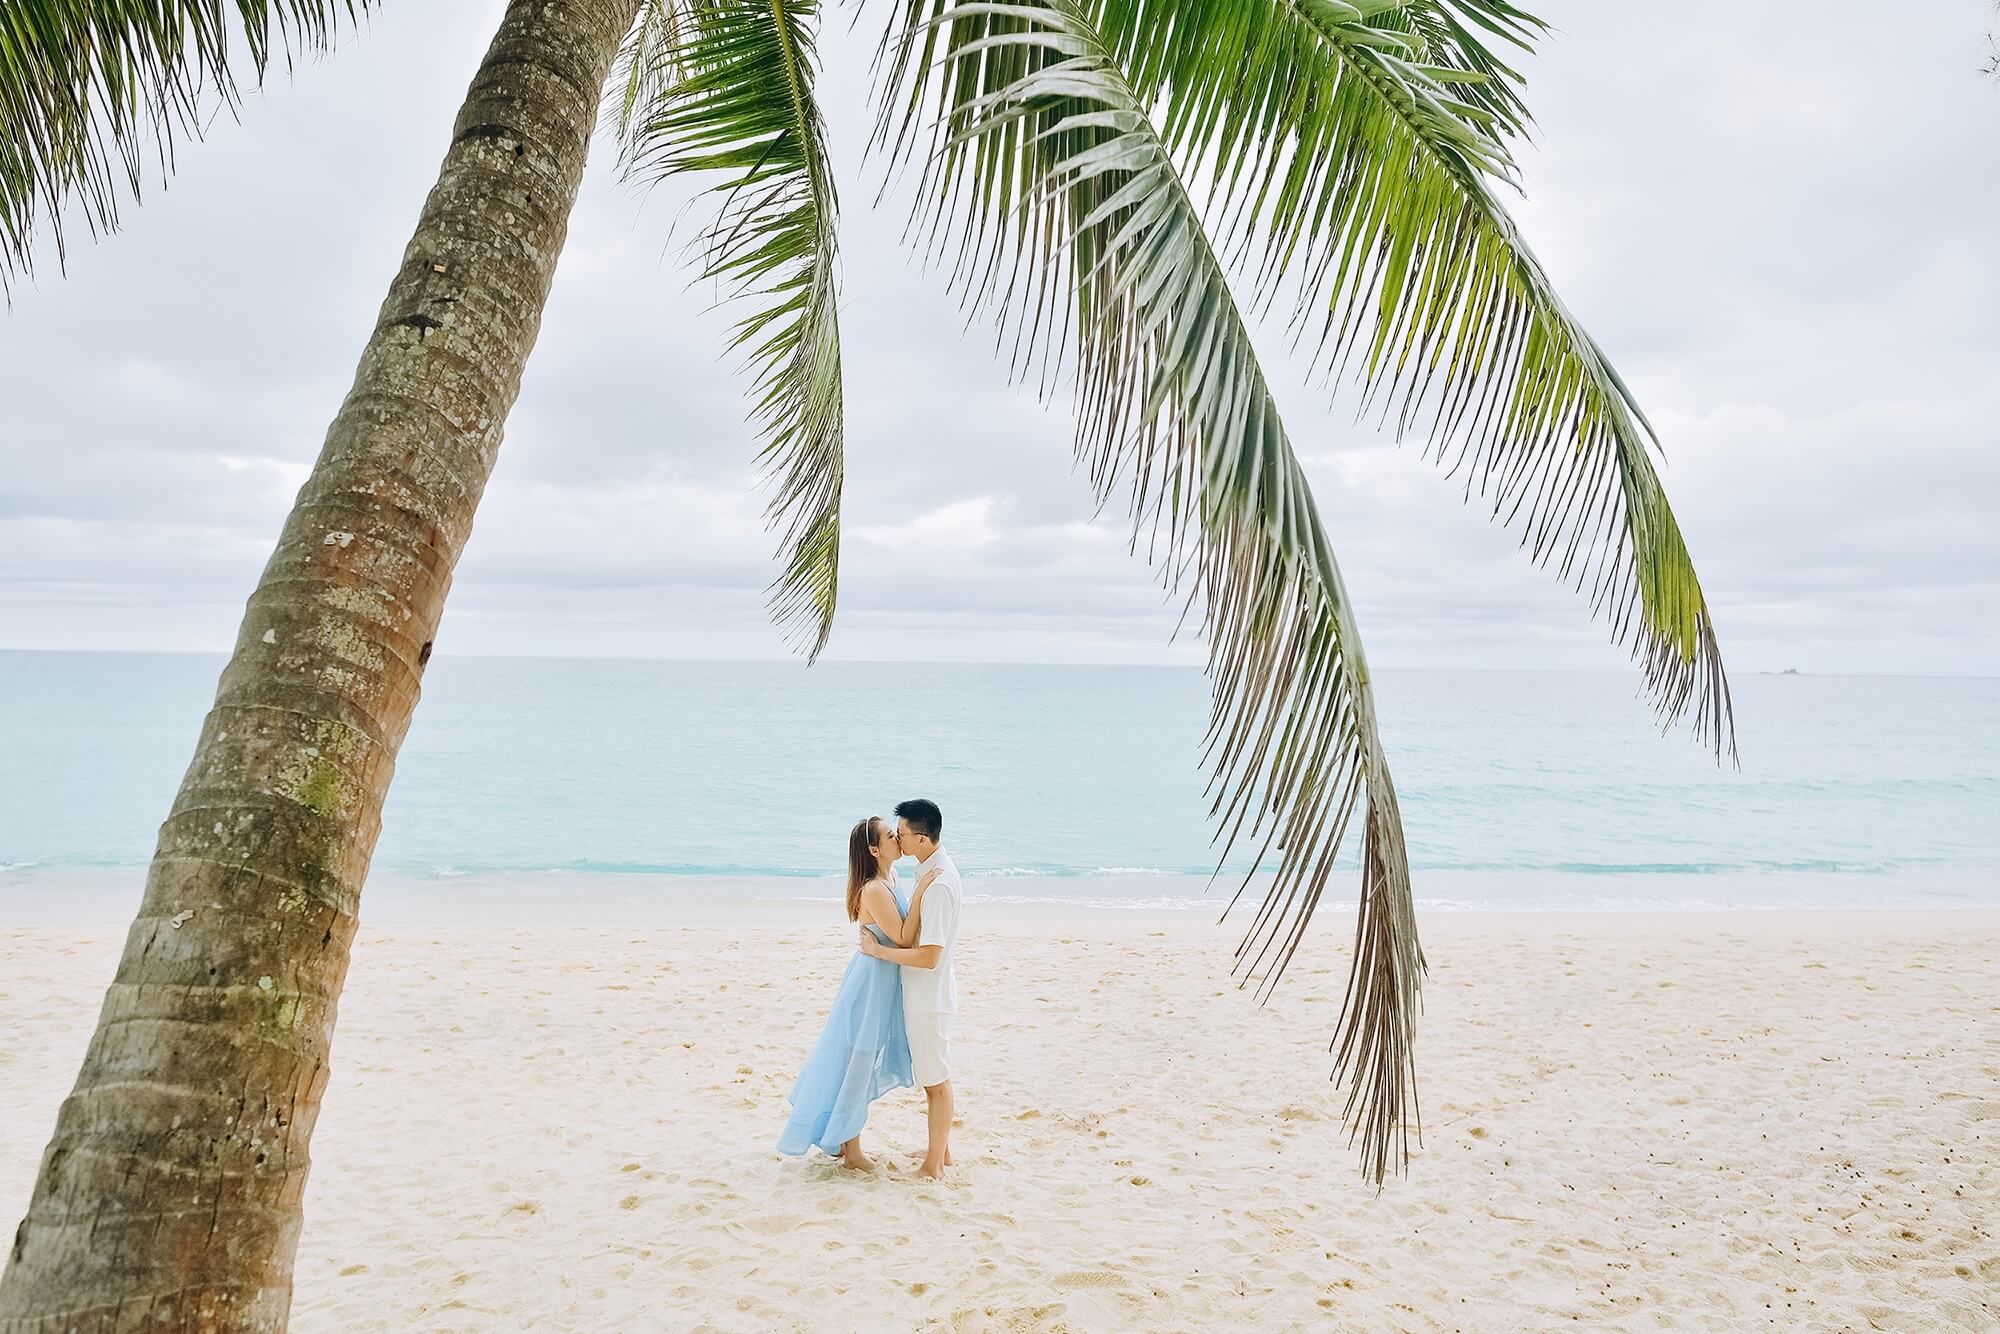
x=861, y=865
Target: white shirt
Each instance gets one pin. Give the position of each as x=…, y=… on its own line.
x=935, y=990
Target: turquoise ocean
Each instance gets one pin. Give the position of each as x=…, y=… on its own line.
x=1060, y=784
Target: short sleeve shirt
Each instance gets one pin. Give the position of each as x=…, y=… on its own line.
x=935, y=990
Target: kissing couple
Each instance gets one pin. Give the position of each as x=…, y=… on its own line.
x=891, y=1023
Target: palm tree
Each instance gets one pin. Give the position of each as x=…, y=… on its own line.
x=1095, y=173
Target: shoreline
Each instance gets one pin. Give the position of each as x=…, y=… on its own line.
x=1330, y=933
x=87, y=897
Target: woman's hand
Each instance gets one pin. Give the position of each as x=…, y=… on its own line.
x=913, y=923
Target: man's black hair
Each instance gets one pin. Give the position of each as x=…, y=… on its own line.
x=922, y=816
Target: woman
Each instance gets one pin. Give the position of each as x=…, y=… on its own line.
x=863, y=1051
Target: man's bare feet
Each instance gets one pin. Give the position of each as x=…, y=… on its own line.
x=931, y=1171
x=949, y=1161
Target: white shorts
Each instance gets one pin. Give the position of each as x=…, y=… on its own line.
x=930, y=1047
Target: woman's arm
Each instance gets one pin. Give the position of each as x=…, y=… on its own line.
x=878, y=905
x=913, y=924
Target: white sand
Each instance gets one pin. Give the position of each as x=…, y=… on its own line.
x=1698, y=1121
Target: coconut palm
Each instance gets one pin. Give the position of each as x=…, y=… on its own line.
x=1104, y=178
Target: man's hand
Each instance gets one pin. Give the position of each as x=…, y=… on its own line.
x=869, y=945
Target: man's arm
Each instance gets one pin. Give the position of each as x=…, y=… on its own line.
x=919, y=956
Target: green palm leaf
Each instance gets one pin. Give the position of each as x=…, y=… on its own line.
x=725, y=86
x=89, y=91
x=1062, y=208
x=1353, y=149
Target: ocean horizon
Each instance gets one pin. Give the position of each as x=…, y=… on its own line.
x=654, y=779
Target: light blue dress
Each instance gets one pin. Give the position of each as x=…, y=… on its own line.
x=862, y=1053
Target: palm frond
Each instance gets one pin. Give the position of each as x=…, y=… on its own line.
x=1449, y=33
x=89, y=91
x=1354, y=149
x=1061, y=207
x=725, y=87
x=648, y=62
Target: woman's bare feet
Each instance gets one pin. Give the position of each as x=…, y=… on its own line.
x=857, y=1160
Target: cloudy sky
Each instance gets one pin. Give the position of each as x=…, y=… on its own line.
x=1782, y=227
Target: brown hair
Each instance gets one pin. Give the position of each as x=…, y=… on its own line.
x=861, y=865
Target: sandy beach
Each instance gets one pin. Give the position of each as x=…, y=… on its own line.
x=1695, y=1120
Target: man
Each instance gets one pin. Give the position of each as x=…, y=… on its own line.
x=930, y=989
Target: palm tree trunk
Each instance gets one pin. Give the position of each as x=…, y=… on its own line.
x=169, y=1197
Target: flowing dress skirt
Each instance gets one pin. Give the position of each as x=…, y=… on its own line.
x=862, y=1053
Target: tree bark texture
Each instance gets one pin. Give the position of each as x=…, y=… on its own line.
x=169, y=1196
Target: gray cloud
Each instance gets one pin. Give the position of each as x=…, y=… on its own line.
x=1784, y=239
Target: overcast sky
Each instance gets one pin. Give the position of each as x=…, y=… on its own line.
x=1784, y=228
